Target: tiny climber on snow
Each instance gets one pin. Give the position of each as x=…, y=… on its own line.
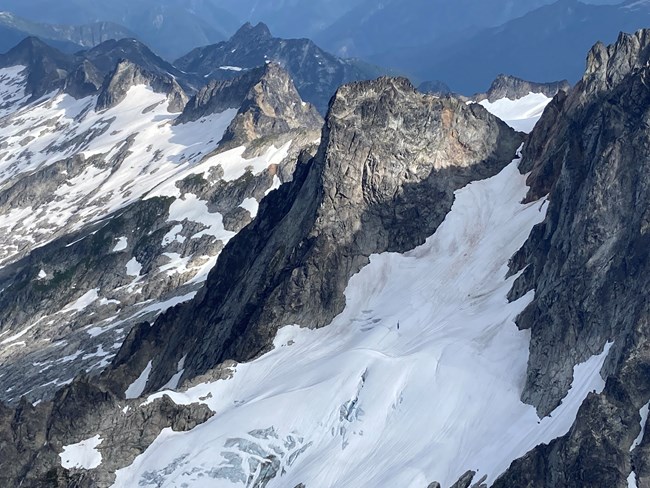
x=398, y=325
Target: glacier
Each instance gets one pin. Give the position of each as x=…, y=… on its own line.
x=364, y=403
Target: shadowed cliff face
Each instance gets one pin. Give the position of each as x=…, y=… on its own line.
x=589, y=265
x=383, y=180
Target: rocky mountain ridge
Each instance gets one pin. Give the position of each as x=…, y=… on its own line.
x=127, y=75
x=256, y=91
x=316, y=73
x=589, y=265
x=513, y=88
x=283, y=283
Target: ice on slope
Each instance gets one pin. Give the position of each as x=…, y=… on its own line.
x=82, y=302
x=191, y=208
x=82, y=455
x=631, y=480
x=522, y=114
x=251, y=205
x=133, y=267
x=362, y=404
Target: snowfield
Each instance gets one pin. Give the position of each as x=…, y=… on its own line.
x=363, y=403
x=12, y=88
x=141, y=149
x=522, y=114
x=65, y=166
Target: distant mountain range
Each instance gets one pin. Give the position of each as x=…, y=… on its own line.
x=546, y=44
x=464, y=44
x=68, y=38
x=316, y=73
x=170, y=27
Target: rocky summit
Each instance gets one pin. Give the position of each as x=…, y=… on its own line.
x=316, y=73
x=381, y=181
x=205, y=282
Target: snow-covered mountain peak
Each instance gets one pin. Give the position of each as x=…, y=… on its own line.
x=127, y=75
x=249, y=33
x=377, y=164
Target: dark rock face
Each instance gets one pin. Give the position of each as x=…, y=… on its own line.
x=85, y=80
x=47, y=68
x=316, y=73
x=383, y=180
x=506, y=86
x=466, y=480
x=82, y=411
x=126, y=75
x=589, y=265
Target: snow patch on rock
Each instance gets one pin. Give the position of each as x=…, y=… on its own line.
x=122, y=244
x=82, y=455
x=137, y=387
